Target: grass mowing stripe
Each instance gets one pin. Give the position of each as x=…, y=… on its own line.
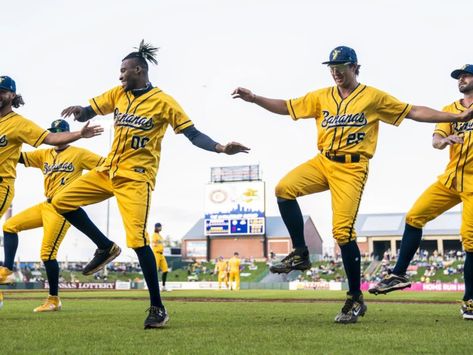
x=115, y=326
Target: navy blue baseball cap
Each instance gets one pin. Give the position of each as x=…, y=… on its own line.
x=59, y=126
x=157, y=225
x=466, y=69
x=342, y=55
x=7, y=83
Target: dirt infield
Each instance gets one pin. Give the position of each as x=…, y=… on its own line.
x=241, y=300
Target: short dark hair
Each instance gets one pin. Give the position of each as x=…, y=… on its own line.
x=17, y=101
x=146, y=53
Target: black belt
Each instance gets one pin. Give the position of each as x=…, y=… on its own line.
x=343, y=158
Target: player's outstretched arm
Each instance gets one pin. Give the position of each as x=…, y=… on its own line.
x=427, y=114
x=62, y=138
x=81, y=114
x=203, y=141
x=274, y=105
x=439, y=142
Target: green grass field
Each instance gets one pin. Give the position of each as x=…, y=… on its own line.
x=256, y=322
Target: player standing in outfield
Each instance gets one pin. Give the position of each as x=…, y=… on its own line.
x=142, y=114
x=454, y=186
x=157, y=245
x=347, y=117
x=234, y=271
x=16, y=130
x=60, y=166
x=221, y=269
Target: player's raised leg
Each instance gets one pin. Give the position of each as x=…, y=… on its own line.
x=305, y=179
x=433, y=202
x=467, y=241
x=90, y=188
x=27, y=219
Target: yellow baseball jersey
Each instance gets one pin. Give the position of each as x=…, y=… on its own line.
x=234, y=264
x=140, y=125
x=61, y=168
x=14, y=131
x=157, y=243
x=349, y=125
x=221, y=266
x=459, y=170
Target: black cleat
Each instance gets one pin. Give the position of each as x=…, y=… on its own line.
x=298, y=259
x=467, y=310
x=157, y=317
x=101, y=258
x=391, y=282
x=354, y=307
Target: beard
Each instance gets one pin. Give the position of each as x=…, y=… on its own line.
x=466, y=89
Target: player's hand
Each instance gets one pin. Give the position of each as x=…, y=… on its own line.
x=453, y=139
x=232, y=148
x=244, y=94
x=466, y=115
x=90, y=131
x=76, y=111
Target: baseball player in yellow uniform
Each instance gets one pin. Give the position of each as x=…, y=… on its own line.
x=347, y=116
x=454, y=186
x=14, y=131
x=234, y=271
x=60, y=166
x=221, y=269
x=142, y=114
x=157, y=245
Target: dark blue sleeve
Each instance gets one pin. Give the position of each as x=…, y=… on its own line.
x=199, y=139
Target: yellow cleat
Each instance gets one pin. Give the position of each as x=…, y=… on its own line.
x=6, y=276
x=52, y=303
x=1, y=300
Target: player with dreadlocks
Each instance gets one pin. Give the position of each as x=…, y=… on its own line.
x=142, y=113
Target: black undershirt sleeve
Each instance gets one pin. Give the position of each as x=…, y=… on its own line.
x=199, y=139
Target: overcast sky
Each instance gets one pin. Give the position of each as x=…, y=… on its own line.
x=61, y=53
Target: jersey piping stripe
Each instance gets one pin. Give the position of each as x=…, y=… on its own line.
x=338, y=111
x=100, y=162
x=466, y=157
x=7, y=116
x=345, y=110
x=458, y=163
x=5, y=199
x=182, y=124
x=146, y=215
x=25, y=158
x=98, y=108
x=41, y=136
x=458, y=108
x=448, y=178
x=358, y=93
x=441, y=131
x=359, y=202
x=400, y=115
x=121, y=129
x=292, y=109
x=49, y=178
x=56, y=240
x=123, y=150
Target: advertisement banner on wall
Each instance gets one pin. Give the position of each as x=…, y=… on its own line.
x=235, y=208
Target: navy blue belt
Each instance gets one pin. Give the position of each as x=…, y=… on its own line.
x=343, y=158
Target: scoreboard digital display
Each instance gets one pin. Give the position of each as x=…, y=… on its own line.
x=234, y=208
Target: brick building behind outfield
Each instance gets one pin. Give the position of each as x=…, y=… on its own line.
x=276, y=240
x=381, y=233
